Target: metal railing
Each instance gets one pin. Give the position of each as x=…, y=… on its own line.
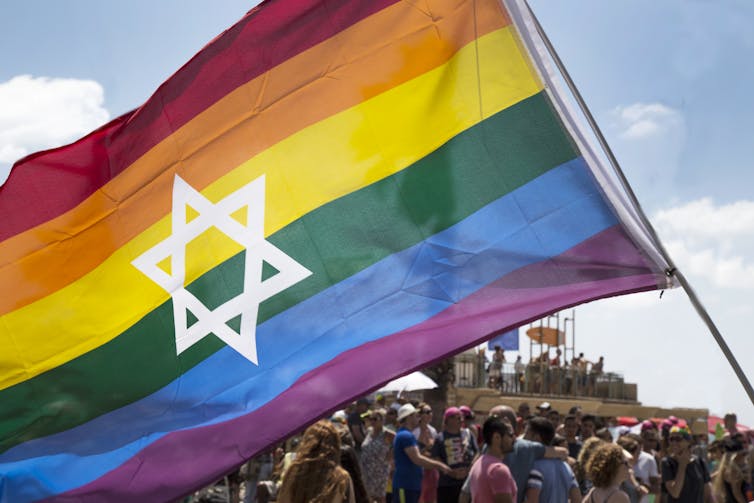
x=472, y=371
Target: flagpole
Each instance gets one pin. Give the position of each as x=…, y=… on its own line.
x=672, y=271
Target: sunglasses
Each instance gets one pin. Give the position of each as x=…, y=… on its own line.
x=426, y=412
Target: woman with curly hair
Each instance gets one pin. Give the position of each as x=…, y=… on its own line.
x=316, y=475
x=579, y=469
x=607, y=469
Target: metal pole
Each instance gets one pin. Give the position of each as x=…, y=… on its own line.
x=672, y=271
x=716, y=334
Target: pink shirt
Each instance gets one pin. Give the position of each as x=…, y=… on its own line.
x=488, y=477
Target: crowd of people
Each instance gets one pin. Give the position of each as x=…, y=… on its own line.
x=546, y=373
x=374, y=453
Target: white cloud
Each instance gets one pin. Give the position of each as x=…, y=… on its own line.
x=711, y=242
x=646, y=120
x=40, y=112
x=649, y=139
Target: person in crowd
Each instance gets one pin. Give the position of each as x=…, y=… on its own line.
x=490, y=480
x=594, y=374
x=391, y=418
x=266, y=484
x=730, y=421
x=607, y=469
x=554, y=417
x=376, y=456
x=685, y=478
x=715, y=453
x=349, y=460
x=408, y=461
x=581, y=369
x=316, y=475
x=543, y=409
x=356, y=421
x=456, y=447
x=645, y=469
x=521, y=459
x=524, y=411
x=604, y=434
x=469, y=423
x=426, y=434
x=580, y=469
x=495, y=368
x=570, y=429
x=631, y=486
x=519, y=368
x=734, y=476
x=588, y=425
x=550, y=480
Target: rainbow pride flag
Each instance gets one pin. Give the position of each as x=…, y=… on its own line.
x=329, y=195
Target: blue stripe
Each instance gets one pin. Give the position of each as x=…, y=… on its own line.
x=540, y=220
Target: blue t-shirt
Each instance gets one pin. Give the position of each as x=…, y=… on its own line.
x=407, y=475
x=521, y=460
x=554, y=478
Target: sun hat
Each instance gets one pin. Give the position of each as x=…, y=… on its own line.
x=405, y=411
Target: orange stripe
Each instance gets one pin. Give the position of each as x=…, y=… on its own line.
x=333, y=75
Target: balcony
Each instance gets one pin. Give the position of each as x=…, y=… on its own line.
x=541, y=379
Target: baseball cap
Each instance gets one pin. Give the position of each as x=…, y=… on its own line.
x=452, y=411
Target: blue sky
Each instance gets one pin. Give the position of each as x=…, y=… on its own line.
x=668, y=82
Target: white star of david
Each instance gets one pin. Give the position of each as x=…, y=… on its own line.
x=257, y=249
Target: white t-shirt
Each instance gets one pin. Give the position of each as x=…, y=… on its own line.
x=645, y=467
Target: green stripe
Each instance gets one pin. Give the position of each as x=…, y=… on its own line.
x=334, y=241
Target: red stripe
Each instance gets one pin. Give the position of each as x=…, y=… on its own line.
x=47, y=184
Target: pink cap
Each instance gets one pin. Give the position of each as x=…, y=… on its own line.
x=452, y=411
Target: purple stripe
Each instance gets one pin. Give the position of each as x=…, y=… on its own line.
x=603, y=266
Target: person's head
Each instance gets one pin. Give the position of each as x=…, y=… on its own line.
x=377, y=419
x=604, y=434
x=425, y=413
x=730, y=420
x=498, y=349
x=503, y=412
x=570, y=426
x=543, y=408
x=518, y=358
x=588, y=424
x=649, y=436
x=585, y=454
x=679, y=438
x=467, y=414
x=407, y=416
x=554, y=417
x=631, y=446
x=452, y=420
x=498, y=435
x=524, y=411
x=558, y=441
x=540, y=430
x=608, y=466
x=362, y=405
x=316, y=470
x=391, y=416
x=576, y=411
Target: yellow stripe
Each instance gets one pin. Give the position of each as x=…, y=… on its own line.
x=323, y=162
